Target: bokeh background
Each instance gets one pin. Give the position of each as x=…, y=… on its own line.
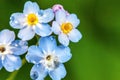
x=96, y=56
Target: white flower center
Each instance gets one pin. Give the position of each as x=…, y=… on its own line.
x=50, y=61
x=2, y=49
x=5, y=49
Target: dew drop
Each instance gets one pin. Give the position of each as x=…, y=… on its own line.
x=34, y=75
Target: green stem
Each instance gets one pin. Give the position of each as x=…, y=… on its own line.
x=13, y=74
x=37, y=37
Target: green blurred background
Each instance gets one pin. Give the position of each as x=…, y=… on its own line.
x=96, y=56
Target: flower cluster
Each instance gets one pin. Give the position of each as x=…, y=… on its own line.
x=46, y=55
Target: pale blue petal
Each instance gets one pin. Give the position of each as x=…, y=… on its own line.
x=56, y=27
x=30, y=7
x=60, y=16
x=58, y=73
x=26, y=33
x=63, y=39
x=72, y=18
x=63, y=53
x=12, y=62
x=1, y=65
x=38, y=72
x=43, y=30
x=34, y=54
x=19, y=47
x=7, y=36
x=75, y=35
x=17, y=20
x=47, y=44
x=47, y=16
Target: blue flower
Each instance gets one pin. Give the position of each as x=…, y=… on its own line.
x=48, y=59
x=31, y=21
x=10, y=49
x=65, y=27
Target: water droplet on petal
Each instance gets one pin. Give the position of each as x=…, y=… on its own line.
x=51, y=38
x=40, y=12
x=12, y=18
x=34, y=75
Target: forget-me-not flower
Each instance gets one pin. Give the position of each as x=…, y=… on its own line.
x=10, y=50
x=31, y=21
x=65, y=27
x=48, y=59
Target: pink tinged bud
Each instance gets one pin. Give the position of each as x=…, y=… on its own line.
x=57, y=7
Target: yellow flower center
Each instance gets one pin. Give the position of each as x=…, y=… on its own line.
x=66, y=27
x=32, y=19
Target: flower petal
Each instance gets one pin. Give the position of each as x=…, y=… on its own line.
x=75, y=35
x=56, y=27
x=34, y=54
x=63, y=53
x=47, y=44
x=19, y=47
x=58, y=73
x=63, y=39
x=17, y=20
x=60, y=16
x=26, y=33
x=38, y=72
x=72, y=18
x=12, y=62
x=43, y=30
x=30, y=7
x=47, y=15
x=7, y=36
